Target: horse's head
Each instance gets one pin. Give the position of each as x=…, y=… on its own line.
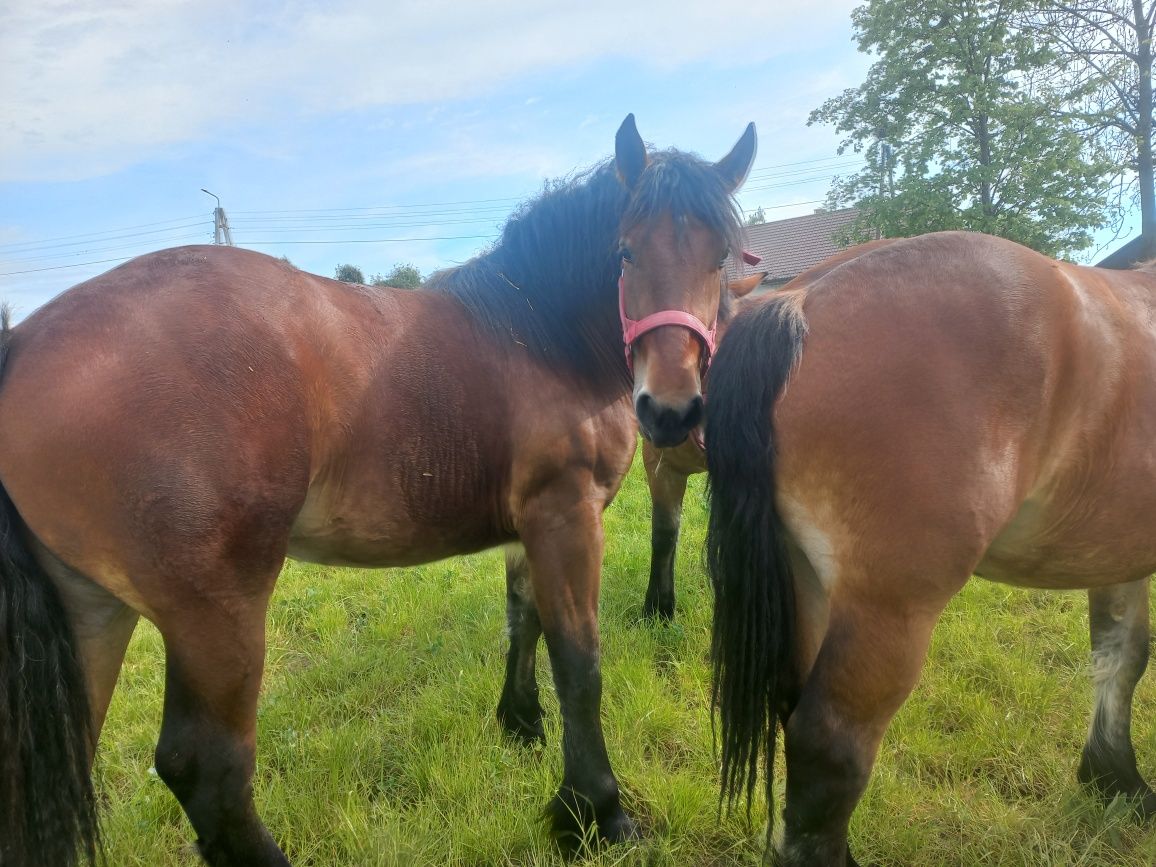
x=675, y=236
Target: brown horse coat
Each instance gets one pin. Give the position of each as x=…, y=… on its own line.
x=172, y=430
x=926, y=409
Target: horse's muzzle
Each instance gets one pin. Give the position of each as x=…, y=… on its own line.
x=664, y=425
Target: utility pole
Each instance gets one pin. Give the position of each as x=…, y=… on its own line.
x=221, y=233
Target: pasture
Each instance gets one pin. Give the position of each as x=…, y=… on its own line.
x=378, y=745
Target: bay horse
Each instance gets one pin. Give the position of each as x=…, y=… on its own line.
x=172, y=430
x=922, y=411
x=667, y=472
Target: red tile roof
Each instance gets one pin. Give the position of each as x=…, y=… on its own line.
x=788, y=247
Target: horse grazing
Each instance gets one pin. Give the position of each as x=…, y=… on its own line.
x=667, y=472
x=883, y=429
x=171, y=430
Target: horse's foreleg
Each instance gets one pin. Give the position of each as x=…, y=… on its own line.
x=1119, y=627
x=519, y=711
x=564, y=551
x=869, y=662
x=667, y=489
x=214, y=654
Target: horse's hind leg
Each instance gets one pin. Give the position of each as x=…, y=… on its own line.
x=1119, y=627
x=519, y=711
x=215, y=651
x=102, y=626
x=667, y=489
x=868, y=663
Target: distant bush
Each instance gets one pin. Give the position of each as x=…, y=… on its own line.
x=349, y=274
x=403, y=276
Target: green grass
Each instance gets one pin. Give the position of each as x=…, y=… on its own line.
x=378, y=745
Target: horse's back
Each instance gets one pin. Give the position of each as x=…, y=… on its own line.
x=978, y=401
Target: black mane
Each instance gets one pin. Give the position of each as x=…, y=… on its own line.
x=550, y=282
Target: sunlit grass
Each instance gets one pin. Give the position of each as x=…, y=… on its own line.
x=378, y=743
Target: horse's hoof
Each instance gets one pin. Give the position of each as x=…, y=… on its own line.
x=525, y=730
x=619, y=828
x=1113, y=780
x=659, y=610
x=575, y=838
x=531, y=737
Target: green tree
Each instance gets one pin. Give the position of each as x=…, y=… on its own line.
x=1103, y=67
x=957, y=132
x=349, y=274
x=757, y=218
x=403, y=276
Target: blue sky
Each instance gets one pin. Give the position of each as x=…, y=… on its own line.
x=376, y=133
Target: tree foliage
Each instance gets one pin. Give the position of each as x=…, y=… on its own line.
x=757, y=217
x=349, y=274
x=1103, y=66
x=403, y=276
x=959, y=131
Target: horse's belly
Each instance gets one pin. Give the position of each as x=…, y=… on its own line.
x=1094, y=542
x=379, y=531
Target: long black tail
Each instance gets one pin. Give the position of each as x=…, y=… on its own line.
x=47, y=809
x=754, y=614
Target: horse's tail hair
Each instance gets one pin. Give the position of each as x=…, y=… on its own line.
x=48, y=812
x=752, y=648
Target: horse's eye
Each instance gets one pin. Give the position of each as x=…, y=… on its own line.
x=626, y=255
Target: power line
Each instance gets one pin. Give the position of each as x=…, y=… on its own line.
x=788, y=205
x=761, y=176
x=264, y=227
x=269, y=219
x=41, y=241
x=795, y=183
x=59, y=267
x=99, y=250
x=34, y=249
x=396, y=216
x=382, y=207
x=374, y=240
x=800, y=163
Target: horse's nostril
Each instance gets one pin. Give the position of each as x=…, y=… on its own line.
x=644, y=406
x=694, y=412
x=667, y=425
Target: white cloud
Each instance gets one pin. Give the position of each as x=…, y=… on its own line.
x=95, y=85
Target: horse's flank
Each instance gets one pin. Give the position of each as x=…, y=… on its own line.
x=1060, y=361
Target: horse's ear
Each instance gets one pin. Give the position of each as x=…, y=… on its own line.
x=744, y=285
x=629, y=153
x=735, y=165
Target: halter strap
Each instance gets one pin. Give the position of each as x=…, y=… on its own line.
x=632, y=329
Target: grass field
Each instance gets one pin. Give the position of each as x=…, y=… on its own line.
x=378, y=744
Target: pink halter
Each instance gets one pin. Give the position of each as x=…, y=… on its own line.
x=633, y=329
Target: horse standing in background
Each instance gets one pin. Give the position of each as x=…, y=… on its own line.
x=170, y=431
x=919, y=412
x=667, y=471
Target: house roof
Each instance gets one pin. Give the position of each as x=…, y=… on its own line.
x=789, y=247
x=1126, y=257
